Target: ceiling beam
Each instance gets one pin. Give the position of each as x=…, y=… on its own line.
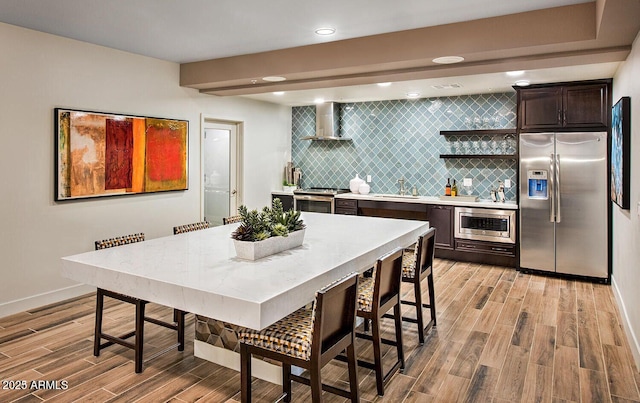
x=547, y=38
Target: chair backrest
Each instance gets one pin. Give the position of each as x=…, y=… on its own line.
x=196, y=226
x=230, y=220
x=119, y=240
x=334, y=315
x=387, y=277
x=425, y=250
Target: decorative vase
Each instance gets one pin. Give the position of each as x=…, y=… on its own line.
x=289, y=189
x=364, y=188
x=354, y=184
x=257, y=250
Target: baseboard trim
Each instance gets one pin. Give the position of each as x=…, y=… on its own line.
x=36, y=301
x=631, y=336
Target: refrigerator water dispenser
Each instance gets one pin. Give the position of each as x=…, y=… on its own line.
x=538, y=184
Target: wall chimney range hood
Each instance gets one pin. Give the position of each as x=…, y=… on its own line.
x=327, y=123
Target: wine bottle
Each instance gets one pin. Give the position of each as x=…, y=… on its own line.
x=454, y=189
x=447, y=188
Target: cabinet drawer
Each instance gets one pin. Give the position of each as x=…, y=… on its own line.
x=486, y=247
x=346, y=206
x=346, y=203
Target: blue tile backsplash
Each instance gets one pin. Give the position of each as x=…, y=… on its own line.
x=394, y=139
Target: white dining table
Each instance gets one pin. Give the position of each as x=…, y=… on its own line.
x=199, y=272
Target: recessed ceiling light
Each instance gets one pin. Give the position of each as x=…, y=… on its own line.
x=384, y=84
x=448, y=59
x=318, y=100
x=413, y=95
x=522, y=83
x=273, y=79
x=278, y=93
x=325, y=31
x=446, y=86
x=515, y=73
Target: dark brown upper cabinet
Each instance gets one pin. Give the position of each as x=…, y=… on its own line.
x=580, y=105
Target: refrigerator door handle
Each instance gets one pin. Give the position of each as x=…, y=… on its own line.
x=558, y=209
x=552, y=189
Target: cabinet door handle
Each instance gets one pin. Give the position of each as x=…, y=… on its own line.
x=499, y=249
x=560, y=116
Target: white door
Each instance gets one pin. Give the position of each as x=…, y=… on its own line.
x=220, y=171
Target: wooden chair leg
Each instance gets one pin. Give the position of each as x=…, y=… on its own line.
x=180, y=322
x=397, y=311
x=432, y=297
x=245, y=374
x=419, y=318
x=353, y=373
x=316, y=383
x=139, y=337
x=377, y=355
x=98, y=328
x=286, y=381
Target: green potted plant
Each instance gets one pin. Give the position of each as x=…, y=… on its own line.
x=269, y=231
x=288, y=187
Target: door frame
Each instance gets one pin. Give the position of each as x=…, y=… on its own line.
x=239, y=126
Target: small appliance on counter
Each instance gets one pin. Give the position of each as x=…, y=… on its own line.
x=316, y=199
x=292, y=176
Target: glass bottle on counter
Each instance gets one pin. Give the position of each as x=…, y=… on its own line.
x=447, y=188
x=454, y=189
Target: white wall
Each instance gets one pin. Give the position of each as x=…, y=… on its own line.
x=40, y=72
x=626, y=224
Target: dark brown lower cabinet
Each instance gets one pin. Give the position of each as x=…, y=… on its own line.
x=494, y=253
x=287, y=201
x=346, y=206
x=440, y=217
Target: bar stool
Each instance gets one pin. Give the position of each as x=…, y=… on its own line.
x=137, y=345
x=196, y=226
x=308, y=338
x=421, y=257
x=376, y=296
x=231, y=219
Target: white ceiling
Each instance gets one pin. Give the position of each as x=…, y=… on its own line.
x=193, y=30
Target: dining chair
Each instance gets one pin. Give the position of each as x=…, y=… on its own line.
x=308, y=338
x=422, y=258
x=140, y=318
x=377, y=295
x=231, y=219
x=196, y=226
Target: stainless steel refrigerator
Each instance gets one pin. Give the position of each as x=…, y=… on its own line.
x=563, y=203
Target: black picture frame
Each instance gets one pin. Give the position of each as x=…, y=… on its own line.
x=620, y=168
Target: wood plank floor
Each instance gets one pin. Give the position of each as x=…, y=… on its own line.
x=502, y=336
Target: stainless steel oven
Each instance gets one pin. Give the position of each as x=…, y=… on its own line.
x=485, y=224
x=316, y=200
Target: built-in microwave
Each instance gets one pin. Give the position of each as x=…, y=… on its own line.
x=485, y=224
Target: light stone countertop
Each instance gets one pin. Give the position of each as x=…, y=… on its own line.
x=199, y=272
x=508, y=205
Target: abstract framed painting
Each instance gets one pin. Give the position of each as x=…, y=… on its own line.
x=105, y=154
x=621, y=152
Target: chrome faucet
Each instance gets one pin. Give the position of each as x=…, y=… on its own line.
x=401, y=181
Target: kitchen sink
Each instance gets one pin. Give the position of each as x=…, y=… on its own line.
x=392, y=196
